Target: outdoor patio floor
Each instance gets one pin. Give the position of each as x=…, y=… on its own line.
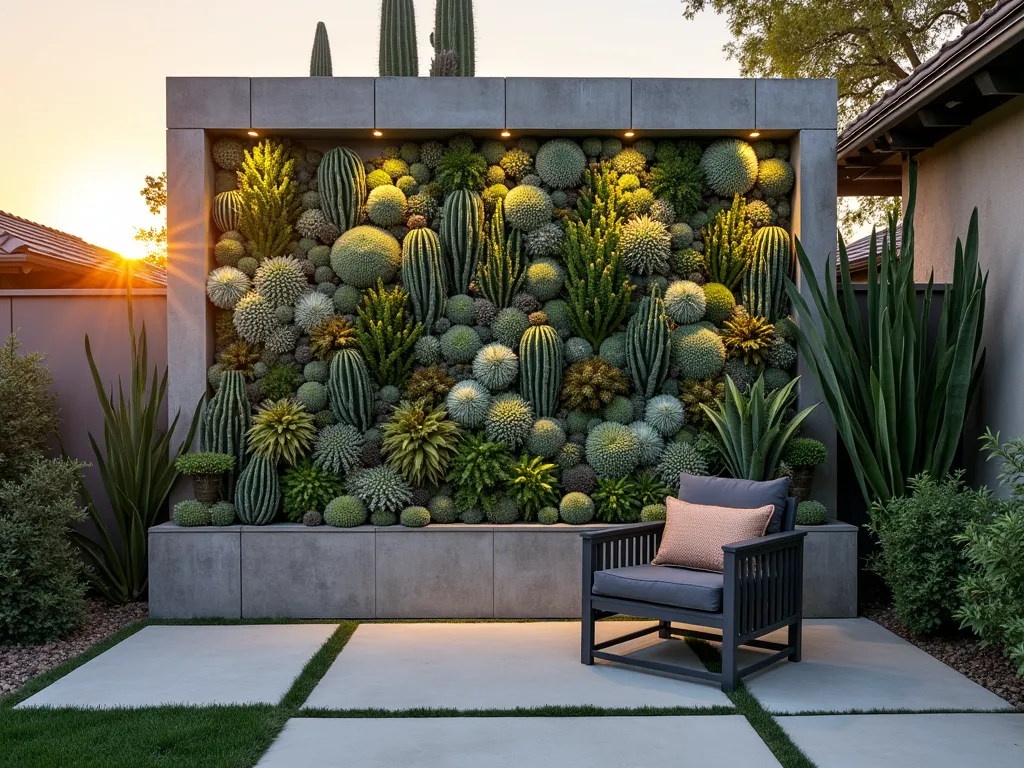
x=482, y=694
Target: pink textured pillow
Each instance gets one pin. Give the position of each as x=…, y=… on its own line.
x=695, y=533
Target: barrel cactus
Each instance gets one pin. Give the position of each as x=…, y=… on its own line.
x=462, y=237
x=341, y=182
x=350, y=391
x=763, y=286
x=647, y=348
x=258, y=493
x=540, y=352
x=423, y=275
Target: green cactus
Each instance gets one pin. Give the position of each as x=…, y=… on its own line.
x=349, y=389
x=423, y=275
x=398, y=57
x=764, y=282
x=386, y=336
x=320, y=60
x=462, y=237
x=268, y=204
x=341, y=182
x=225, y=423
x=540, y=355
x=647, y=347
x=258, y=494
x=454, y=31
x=501, y=271
x=728, y=243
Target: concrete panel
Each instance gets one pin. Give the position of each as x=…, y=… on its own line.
x=434, y=573
x=498, y=665
x=567, y=103
x=796, y=104
x=5, y=317
x=295, y=572
x=448, y=103
x=537, y=574
x=830, y=571
x=312, y=102
x=190, y=177
x=208, y=102
x=814, y=222
x=194, y=572
x=670, y=104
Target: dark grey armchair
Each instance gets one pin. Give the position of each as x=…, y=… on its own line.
x=759, y=591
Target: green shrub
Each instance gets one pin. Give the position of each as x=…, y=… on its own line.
x=306, y=486
x=616, y=500
x=415, y=517
x=222, y=513
x=420, y=441
x=28, y=412
x=345, y=512
x=479, y=468
x=653, y=513
x=576, y=508
x=920, y=555
x=533, y=485
x=191, y=514
x=42, y=589
x=205, y=463
x=805, y=452
x=811, y=513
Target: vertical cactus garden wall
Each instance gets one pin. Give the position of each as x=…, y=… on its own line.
x=488, y=331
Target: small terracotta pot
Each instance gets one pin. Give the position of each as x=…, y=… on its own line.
x=206, y=488
x=800, y=483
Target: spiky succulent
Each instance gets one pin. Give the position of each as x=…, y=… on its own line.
x=759, y=214
x=509, y=326
x=527, y=208
x=680, y=457
x=331, y=336
x=665, y=414
x=651, y=443
x=281, y=430
x=547, y=438
x=338, y=448
x=479, y=469
x=560, y=163
x=591, y=384
x=719, y=303
x=254, y=318
x=386, y=206
x=345, y=512
x=306, y=486
x=315, y=225
x=382, y=489
x=516, y=163
x=364, y=255
x=613, y=450
x=697, y=392
x=241, y=356
x=748, y=338
x=780, y=354
x=730, y=167
x=312, y=309
x=685, y=302
x=615, y=500
x=430, y=384
x=533, y=485
x=226, y=285
x=468, y=403
x=576, y=508
x=645, y=246
x=544, y=241
x=280, y=280
x=496, y=367
x=697, y=351
x=544, y=279
x=775, y=177
x=420, y=441
x=629, y=161
x=509, y=420
x=283, y=339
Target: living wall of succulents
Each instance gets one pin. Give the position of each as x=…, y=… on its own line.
x=481, y=330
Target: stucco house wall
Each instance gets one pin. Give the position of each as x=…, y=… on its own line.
x=981, y=166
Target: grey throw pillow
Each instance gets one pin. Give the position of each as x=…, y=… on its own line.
x=739, y=494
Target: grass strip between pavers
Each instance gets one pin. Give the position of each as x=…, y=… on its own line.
x=771, y=733
x=552, y=711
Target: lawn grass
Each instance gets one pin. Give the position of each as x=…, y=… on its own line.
x=176, y=737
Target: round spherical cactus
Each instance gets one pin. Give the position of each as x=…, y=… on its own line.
x=527, y=208
x=442, y=509
x=460, y=344
x=386, y=206
x=226, y=286
x=653, y=513
x=651, y=443
x=191, y=514
x=612, y=449
x=560, y=163
x=496, y=367
x=780, y=354
x=730, y=167
x=719, y=303
x=510, y=325
x=516, y=163
x=415, y=517
x=645, y=246
x=577, y=349
x=666, y=414
x=280, y=280
x=619, y=410
x=680, y=458
x=312, y=309
x=345, y=512
x=229, y=154
x=546, y=438
x=468, y=403
x=254, y=318
x=504, y=512
x=313, y=518
x=613, y=349
x=222, y=513
x=312, y=396
x=545, y=241
x=509, y=420
x=685, y=302
x=547, y=515
x=461, y=309
x=811, y=513
x=364, y=255
x=629, y=161
x=697, y=351
x=775, y=177
x=576, y=508
x=544, y=279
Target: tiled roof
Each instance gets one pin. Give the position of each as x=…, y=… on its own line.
x=974, y=38
x=20, y=236
x=858, y=251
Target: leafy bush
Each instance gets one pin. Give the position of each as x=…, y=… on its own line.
x=206, y=463
x=533, y=485
x=28, y=412
x=420, y=441
x=920, y=554
x=479, y=468
x=805, y=452
x=42, y=578
x=306, y=486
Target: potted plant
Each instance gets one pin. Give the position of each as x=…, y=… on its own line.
x=803, y=454
x=205, y=470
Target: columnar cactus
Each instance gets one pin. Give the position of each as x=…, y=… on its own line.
x=462, y=237
x=540, y=354
x=320, y=60
x=501, y=272
x=341, y=181
x=454, y=31
x=398, y=57
x=647, y=348
x=349, y=390
x=764, y=290
x=226, y=206
x=258, y=494
x=423, y=275
x=226, y=420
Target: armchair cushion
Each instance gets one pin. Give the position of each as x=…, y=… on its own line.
x=695, y=533
x=663, y=585
x=739, y=494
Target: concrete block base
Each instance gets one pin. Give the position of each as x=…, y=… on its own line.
x=830, y=570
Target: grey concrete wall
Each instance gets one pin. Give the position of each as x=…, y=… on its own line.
x=830, y=571
x=982, y=166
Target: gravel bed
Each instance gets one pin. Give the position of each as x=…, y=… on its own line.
x=963, y=652
x=20, y=662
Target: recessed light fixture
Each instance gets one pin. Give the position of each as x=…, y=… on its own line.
x=505, y=134
x=754, y=134
x=378, y=134
x=254, y=134
x=629, y=134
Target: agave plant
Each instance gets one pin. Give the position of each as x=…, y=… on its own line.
x=137, y=470
x=281, y=429
x=753, y=428
x=748, y=338
x=420, y=441
x=897, y=392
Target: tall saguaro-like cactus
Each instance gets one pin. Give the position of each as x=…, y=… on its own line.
x=320, y=59
x=453, y=31
x=398, y=57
